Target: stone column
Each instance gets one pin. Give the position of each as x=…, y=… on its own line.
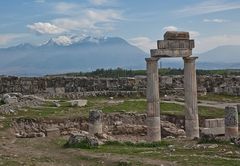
x=191, y=107
x=231, y=122
x=153, y=103
x=95, y=122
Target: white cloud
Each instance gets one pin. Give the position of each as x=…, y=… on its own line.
x=98, y=2
x=64, y=7
x=63, y=40
x=46, y=28
x=207, y=43
x=216, y=20
x=91, y=20
x=143, y=43
x=194, y=34
x=108, y=15
x=208, y=6
x=170, y=28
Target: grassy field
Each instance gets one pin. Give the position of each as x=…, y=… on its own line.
x=45, y=151
x=220, y=98
x=48, y=110
x=181, y=152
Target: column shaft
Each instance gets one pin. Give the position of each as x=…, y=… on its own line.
x=153, y=104
x=191, y=108
x=231, y=122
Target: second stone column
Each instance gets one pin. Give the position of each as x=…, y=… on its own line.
x=153, y=102
x=191, y=107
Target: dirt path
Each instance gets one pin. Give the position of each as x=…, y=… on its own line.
x=205, y=103
x=46, y=151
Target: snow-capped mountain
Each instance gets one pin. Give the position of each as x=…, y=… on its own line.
x=73, y=54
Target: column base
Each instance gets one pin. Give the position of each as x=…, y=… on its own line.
x=231, y=132
x=192, y=128
x=95, y=128
x=153, y=129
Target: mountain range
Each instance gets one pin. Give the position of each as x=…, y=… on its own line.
x=92, y=53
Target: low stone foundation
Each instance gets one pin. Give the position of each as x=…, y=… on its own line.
x=113, y=124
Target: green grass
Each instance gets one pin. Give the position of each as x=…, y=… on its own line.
x=182, y=154
x=220, y=97
x=166, y=108
x=48, y=110
x=138, y=144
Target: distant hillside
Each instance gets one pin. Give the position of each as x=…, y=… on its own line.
x=85, y=55
x=223, y=57
x=89, y=54
x=222, y=54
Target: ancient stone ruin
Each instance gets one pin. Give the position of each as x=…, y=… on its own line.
x=231, y=122
x=175, y=44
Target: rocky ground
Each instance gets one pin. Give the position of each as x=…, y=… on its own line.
x=37, y=131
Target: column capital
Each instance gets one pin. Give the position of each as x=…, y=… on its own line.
x=190, y=59
x=151, y=59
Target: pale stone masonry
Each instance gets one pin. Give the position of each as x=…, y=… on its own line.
x=191, y=107
x=95, y=122
x=175, y=44
x=231, y=122
x=153, y=102
x=213, y=126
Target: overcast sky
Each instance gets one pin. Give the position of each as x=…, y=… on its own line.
x=141, y=22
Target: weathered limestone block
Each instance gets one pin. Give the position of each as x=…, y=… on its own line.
x=175, y=44
x=10, y=100
x=166, y=80
x=78, y=103
x=231, y=122
x=212, y=123
x=60, y=90
x=53, y=132
x=214, y=127
x=170, y=52
x=176, y=35
x=50, y=90
x=95, y=122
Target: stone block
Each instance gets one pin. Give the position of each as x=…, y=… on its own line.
x=213, y=131
x=213, y=123
x=53, y=132
x=176, y=35
x=10, y=100
x=166, y=80
x=78, y=103
x=175, y=44
x=50, y=90
x=95, y=122
x=158, y=53
x=60, y=90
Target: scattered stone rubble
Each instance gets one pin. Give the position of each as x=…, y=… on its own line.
x=14, y=101
x=83, y=141
x=114, y=125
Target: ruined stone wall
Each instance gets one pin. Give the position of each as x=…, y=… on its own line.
x=82, y=86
